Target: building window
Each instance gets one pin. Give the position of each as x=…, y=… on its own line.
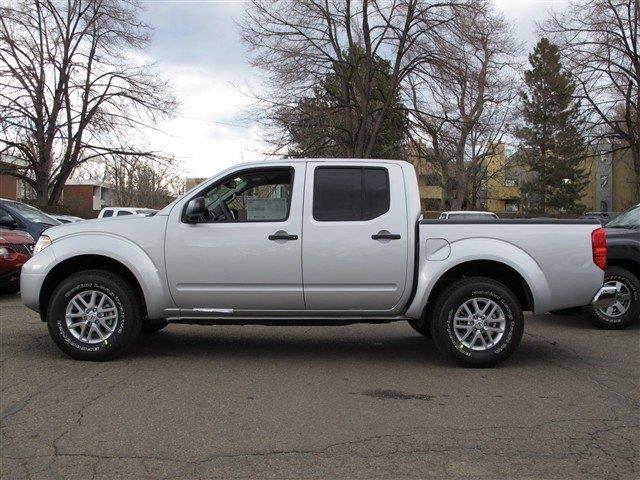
x=511, y=206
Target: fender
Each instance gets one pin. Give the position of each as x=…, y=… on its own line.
x=151, y=279
x=453, y=254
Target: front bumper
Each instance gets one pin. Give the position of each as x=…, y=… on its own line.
x=605, y=297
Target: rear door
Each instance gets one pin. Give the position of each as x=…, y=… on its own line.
x=354, y=247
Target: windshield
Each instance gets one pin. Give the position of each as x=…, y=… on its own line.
x=628, y=219
x=147, y=211
x=33, y=214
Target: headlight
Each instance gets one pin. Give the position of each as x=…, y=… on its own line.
x=42, y=243
x=5, y=253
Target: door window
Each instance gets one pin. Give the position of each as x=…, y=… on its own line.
x=122, y=213
x=252, y=196
x=107, y=213
x=350, y=193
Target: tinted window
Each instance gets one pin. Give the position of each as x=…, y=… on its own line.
x=32, y=214
x=5, y=216
x=350, y=193
x=251, y=196
x=124, y=212
x=107, y=213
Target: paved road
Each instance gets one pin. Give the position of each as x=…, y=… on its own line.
x=341, y=402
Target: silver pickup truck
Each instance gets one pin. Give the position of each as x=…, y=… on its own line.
x=311, y=242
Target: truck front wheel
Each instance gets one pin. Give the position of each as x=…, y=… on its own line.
x=94, y=315
x=477, y=321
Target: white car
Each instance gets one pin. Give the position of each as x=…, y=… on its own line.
x=122, y=211
x=467, y=215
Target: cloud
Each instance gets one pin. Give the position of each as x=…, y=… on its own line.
x=198, y=50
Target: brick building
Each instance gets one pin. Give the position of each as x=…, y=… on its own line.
x=85, y=198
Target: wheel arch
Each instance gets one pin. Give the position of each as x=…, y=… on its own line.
x=492, y=269
x=81, y=263
x=111, y=253
x=483, y=257
x=626, y=263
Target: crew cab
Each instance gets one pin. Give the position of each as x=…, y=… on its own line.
x=311, y=242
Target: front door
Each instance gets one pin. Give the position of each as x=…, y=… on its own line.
x=245, y=252
x=355, y=237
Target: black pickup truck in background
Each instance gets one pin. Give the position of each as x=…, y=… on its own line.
x=623, y=271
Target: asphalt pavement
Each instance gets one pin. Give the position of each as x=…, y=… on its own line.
x=362, y=401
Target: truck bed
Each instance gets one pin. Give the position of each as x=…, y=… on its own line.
x=554, y=257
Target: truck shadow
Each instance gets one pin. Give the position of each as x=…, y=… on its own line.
x=578, y=322
x=223, y=343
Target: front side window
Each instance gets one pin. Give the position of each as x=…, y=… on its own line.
x=350, y=193
x=122, y=213
x=251, y=196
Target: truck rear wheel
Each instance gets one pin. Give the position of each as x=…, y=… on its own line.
x=94, y=315
x=477, y=322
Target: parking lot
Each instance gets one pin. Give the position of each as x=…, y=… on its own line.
x=315, y=402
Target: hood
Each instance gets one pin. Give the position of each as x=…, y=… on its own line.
x=15, y=237
x=112, y=225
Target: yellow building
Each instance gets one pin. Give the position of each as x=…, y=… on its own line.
x=612, y=183
x=611, y=187
x=503, y=183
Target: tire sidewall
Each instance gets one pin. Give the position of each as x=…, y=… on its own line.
x=125, y=329
x=514, y=326
x=621, y=275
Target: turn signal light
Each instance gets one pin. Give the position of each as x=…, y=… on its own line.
x=599, y=247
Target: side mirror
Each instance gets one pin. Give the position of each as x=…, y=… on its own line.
x=195, y=209
x=8, y=222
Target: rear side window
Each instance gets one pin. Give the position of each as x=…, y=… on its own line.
x=350, y=193
x=124, y=212
x=107, y=213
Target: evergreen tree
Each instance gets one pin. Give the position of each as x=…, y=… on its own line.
x=318, y=125
x=552, y=134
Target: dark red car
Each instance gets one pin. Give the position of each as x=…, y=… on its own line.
x=16, y=248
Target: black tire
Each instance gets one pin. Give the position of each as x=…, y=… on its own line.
x=422, y=326
x=152, y=326
x=454, y=297
x=127, y=305
x=616, y=321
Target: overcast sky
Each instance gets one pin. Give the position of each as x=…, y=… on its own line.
x=196, y=44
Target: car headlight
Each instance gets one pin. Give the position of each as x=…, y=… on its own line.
x=42, y=243
x=5, y=253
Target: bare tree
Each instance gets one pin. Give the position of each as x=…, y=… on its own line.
x=301, y=44
x=71, y=90
x=137, y=181
x=462, y=103
x=600, y=46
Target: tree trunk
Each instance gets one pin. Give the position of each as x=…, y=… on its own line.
x=635, y=156
x=42, y=187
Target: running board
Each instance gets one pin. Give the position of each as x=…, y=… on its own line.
x=283, y=321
